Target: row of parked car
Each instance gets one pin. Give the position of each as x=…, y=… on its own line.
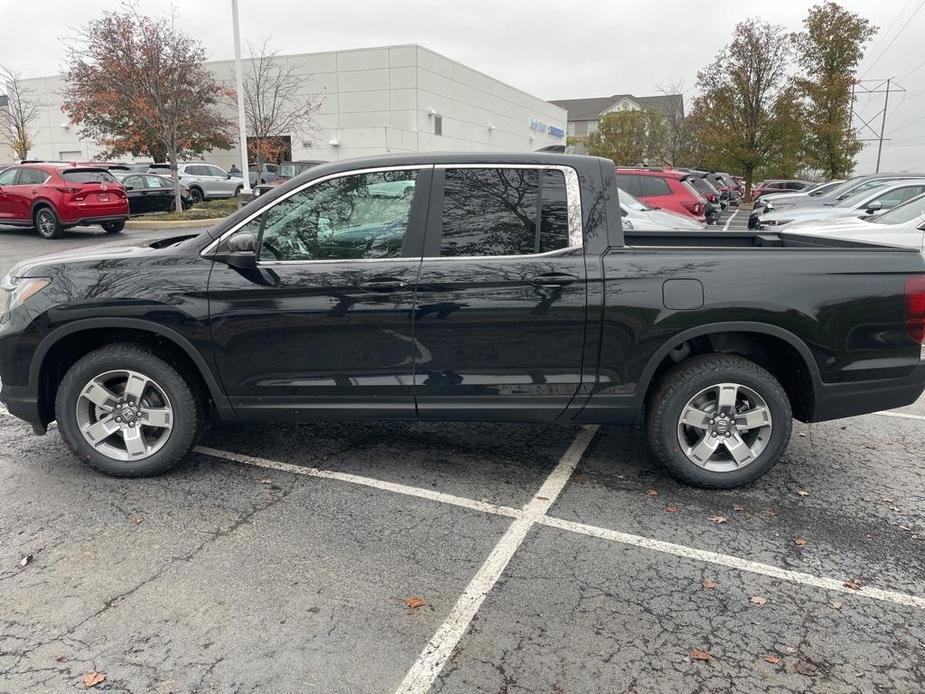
x=54, y=196
x=686, y=195
x=886, y=208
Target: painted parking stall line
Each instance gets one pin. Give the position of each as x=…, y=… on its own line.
x=473, y=504
x=729, y=221
x=433, y=658
x=733, y=562
x=901, y=415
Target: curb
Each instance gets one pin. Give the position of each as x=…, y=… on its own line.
x=171, y=224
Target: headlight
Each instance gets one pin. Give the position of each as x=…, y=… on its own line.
x=775, y=222
x=256, y=192
x=17, y=290
x=627, y=225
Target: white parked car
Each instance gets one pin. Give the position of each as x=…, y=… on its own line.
x=902, y=226
x=638, y=216
x=205, y=181
x=884, y=195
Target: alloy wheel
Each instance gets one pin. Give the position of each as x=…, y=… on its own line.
x=46, y=222
x=124, y=415
x=724, y=427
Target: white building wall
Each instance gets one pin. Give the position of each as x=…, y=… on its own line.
x=373, y=101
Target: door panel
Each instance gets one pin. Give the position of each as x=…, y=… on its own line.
x=499, y=335
x=7, y=199
x=323, y=327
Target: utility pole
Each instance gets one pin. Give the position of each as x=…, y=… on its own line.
x=885, y=87
x=242, y=120
x=886, y=103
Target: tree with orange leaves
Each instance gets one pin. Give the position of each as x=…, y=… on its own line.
x=138, y=85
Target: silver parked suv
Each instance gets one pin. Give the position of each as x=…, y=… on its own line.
x=205, y=181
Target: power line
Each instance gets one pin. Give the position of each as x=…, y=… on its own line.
x=898, y=34
x=913, y=70
x=912, y=122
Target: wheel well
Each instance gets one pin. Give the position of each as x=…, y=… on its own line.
x=69, y=349
x=39, y=205
x=776, y=355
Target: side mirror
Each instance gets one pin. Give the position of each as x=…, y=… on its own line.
x=129, y=187
x=874, y=206
x=228, y=176
x=240, y=252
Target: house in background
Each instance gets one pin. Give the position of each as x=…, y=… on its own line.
x=584, y=115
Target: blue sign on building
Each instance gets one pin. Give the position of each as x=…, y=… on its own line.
x=541, y=127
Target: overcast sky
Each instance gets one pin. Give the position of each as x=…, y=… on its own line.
x=555, y=50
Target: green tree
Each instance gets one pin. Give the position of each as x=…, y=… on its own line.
x=630, y=137
x=830, y=48
x=747, y=102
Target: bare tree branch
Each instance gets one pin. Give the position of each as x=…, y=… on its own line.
x=20, y=113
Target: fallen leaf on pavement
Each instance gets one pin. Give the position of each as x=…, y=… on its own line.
x=790, y=649
x=652, y=492
x=25, y=560
x=803, y=492
x=414, y=603
x=738, y=508
x=758, y=600
x=773, y=659
x=60, y=659
x=137, y=520
x=837, y=604
x=672, y=509
x=800, y=541
x=698, y=654
x=581, y=477
x=91, y=679
x=854, y=584
x=888, y=500
x=806, y=668
x=266, y=481
x=718, y=519
x=772, y=512
x=709, y=584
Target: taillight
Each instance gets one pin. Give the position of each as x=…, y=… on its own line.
x=67, y=189
x=915, y=308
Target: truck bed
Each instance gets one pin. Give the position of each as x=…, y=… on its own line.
x=746, y=239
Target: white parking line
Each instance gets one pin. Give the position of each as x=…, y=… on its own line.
x=731, y=217
x=901, y=415
x=430, y=662
x=733, y=562
x=473, y=504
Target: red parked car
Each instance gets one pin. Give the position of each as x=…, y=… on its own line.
x=664, y=188
x=55, y=197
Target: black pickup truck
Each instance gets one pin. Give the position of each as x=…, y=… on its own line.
x=462, y=287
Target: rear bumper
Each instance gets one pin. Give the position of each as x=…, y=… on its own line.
x=95, y=220
x=836, y=400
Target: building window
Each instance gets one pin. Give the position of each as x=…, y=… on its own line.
x=438, y=125
x=571, y=129
x=592, y=126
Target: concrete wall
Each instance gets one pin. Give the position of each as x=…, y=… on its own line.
x=373, y=101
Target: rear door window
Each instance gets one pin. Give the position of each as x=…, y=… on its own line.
x=629, y=183
x=495, y=212
x=32, y=177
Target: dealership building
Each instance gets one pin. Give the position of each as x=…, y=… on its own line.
x=372, y=101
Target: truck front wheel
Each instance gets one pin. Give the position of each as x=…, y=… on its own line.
x=126, y=412
x=719, y=421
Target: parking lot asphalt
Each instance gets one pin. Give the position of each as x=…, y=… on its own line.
x=414, y=557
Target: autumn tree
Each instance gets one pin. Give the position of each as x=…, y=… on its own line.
x=135, y=84
x=19, y=113
x=629, y=137
x=830, y=49
x=275, y=103
x=747, y=101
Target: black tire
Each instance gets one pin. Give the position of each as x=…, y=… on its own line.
x=237, y=191
x=188, y=411
x=196, y=195
x=684, y=382
x=47, y=224
x=113, y=227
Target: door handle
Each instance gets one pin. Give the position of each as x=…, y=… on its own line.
x=552, y=279
x=383, y=286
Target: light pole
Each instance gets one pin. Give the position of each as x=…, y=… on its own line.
x=242, y=121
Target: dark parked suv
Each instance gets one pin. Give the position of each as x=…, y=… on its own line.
x=464, y=287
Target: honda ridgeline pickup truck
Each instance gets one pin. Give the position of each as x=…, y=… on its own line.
x=491, y=287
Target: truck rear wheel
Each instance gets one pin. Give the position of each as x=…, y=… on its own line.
x=126, y=412
x=719, y=421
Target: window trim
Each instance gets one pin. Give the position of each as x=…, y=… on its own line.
x=572, y=191
x=209, y=250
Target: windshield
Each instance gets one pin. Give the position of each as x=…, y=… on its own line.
x=702, y=185
x=856, y=199
x=855, y=188
x=632, y=203
x=823, y=188
x=902, y=214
